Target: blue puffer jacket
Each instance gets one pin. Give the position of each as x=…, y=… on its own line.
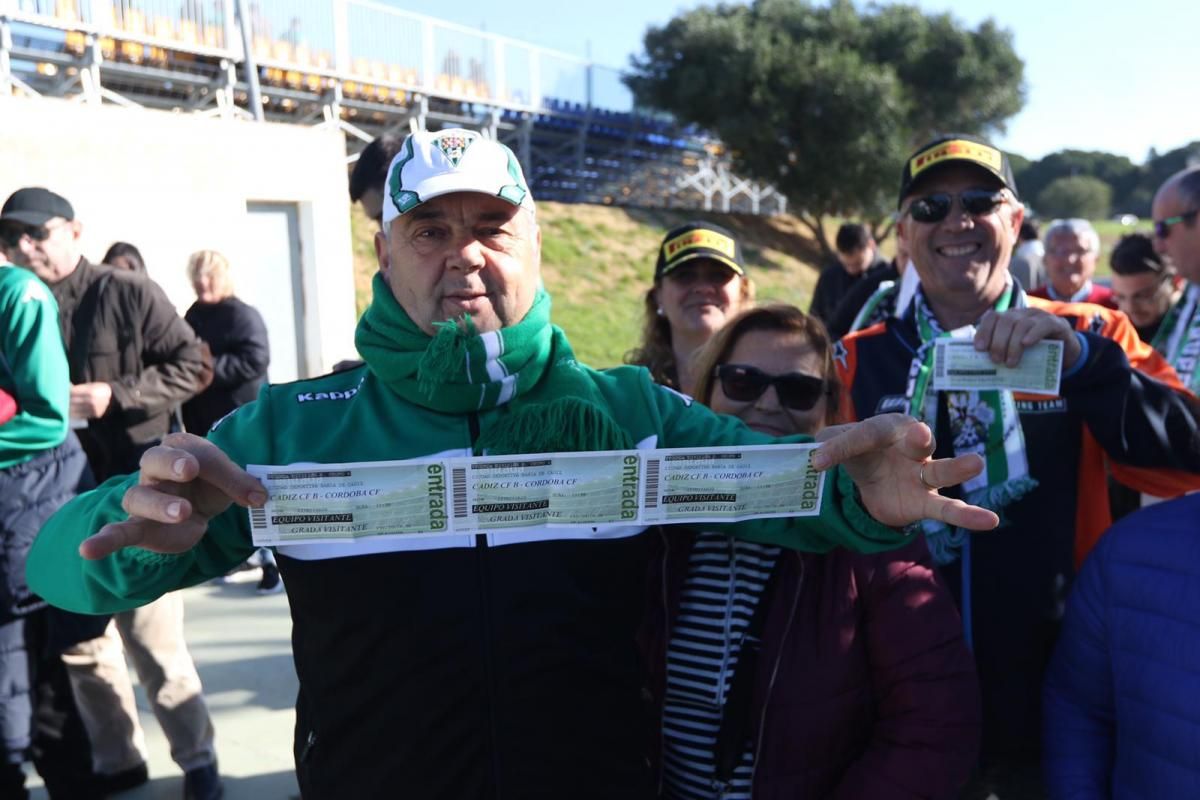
x=1122, y=695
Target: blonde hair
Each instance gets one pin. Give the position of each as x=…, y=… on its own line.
x=210, y=262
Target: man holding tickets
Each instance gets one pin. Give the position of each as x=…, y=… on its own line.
x=1045, y=453
x=465, y=666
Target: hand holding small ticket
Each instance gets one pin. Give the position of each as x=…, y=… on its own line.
x=957, y=365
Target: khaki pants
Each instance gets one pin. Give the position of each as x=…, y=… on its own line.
x=153, y=637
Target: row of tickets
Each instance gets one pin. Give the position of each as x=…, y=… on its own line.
x=491, y=494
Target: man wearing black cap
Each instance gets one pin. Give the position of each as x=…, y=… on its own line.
x=1045, y=475
x=132, y=360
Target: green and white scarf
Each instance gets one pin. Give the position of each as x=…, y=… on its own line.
x=983, y=422
x=880, y=305
x=1178, y=338
x=527, y=370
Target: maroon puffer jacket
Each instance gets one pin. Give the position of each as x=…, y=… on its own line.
x=875, y=697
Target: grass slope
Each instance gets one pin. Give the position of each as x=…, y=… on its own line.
x=598, y=261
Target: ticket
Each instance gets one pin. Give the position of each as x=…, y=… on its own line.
x=958, y=366
x=583, y=489
x=336, y=502
x=731, y=484
x=491, y=494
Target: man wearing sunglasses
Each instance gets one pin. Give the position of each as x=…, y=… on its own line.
x=1119, y=401
x=1177, y=235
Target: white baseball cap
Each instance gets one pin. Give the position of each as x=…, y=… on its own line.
x=434, y=163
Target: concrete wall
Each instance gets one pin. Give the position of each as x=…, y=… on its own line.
x=173, y=183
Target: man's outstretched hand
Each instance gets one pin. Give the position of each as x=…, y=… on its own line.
x=887, y=456
x=184, y=482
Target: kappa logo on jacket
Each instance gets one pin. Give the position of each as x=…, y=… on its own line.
x=344, y=394
x=308, y=397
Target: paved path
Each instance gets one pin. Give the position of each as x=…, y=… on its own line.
x=242, y=647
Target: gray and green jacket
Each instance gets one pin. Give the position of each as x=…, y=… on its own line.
x=465, y=666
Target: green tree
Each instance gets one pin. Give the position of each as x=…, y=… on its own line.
x=1159, y=167
x=825, y=102
x=1075, y=196
x=1121, y=174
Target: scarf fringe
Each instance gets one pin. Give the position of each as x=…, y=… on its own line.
x=564, y=425
x=945, y=543
x=446, y=354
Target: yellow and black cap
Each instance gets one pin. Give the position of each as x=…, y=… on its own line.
x=694, y=240
x=955, y=148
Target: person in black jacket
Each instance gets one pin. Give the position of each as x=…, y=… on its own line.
x=857, y=259
x=236, y=335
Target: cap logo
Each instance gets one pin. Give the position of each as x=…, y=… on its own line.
x=699, y=238
x=454, y=146
x=957, y=149
x=403, y=199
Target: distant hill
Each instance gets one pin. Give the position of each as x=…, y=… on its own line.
x=598, y=262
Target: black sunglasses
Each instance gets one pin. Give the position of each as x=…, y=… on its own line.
x=935, y=207
x=1162, y=228
x=12, y=234
x=743, y=384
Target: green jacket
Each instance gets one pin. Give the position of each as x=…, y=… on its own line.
x=353, y=416
x=33, y=367
x=453, y=666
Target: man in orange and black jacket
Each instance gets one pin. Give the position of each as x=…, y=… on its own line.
x=1119, y=402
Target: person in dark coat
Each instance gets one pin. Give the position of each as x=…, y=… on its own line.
x=857, y=261
x=123, y=255
x=1121, y=701
x=861, y=685
x=236, y=335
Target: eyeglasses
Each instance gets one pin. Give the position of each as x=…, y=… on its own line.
x=12, y=234
x=935, y=207
x=743, y=384
x=1162, y=228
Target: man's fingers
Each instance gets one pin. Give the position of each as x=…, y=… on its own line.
x=212, y=466
x=870, y=435
x=1002, y=337
x=112, y=538
x=951, y=471
x=149, y=502
x=983, y=331
x=958, y=514
x=164, y=463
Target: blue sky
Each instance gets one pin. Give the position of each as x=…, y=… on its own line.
x=1118, y=77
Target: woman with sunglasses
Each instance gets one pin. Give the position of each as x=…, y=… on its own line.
x=699, y=283
x=858, y=683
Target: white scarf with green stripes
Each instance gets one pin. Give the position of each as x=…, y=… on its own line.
x=1178, y=338
x=983, y=422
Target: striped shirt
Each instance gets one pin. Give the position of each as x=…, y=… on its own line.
x=724, y=582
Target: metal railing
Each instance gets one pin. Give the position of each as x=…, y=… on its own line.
x=355, y=40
